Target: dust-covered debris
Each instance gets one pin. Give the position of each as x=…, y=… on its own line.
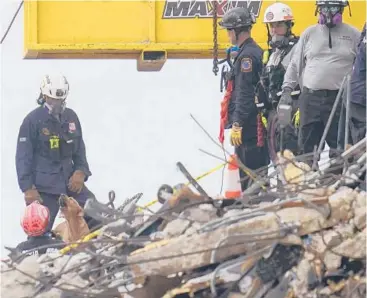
x=304, y=239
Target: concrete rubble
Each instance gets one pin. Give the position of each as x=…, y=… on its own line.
x=308, y=243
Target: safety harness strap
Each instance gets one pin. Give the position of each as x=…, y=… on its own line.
x=224, y=110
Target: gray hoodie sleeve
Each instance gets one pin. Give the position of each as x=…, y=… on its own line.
x=295, y=68
x=288, y=58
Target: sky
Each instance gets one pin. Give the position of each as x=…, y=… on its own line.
x=136, y=125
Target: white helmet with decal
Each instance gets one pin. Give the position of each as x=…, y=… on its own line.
x=55, y=86
x=278, y=12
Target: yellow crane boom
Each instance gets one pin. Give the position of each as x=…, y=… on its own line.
x=149, y=31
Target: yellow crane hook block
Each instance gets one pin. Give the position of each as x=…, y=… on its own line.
x=152, y=60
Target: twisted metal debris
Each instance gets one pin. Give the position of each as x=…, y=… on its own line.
x=303, y=237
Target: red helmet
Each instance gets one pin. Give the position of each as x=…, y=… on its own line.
x=35, y=219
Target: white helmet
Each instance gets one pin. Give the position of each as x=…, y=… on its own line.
x=278, y=12
x=55, y=86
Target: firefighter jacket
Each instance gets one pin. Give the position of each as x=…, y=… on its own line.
x=358, y=81
x=49, y=151
x=247, y=67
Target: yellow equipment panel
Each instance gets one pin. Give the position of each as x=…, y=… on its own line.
x=151, y=30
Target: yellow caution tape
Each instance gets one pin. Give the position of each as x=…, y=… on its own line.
x=85, y=239
x=188, y=183
x=147, y=205
x=98, y=232
x=209, y=172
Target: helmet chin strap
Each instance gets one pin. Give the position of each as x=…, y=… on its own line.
x=238, y=31
x=279, y=41
x=40, y=99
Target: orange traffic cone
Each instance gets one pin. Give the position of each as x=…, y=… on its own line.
x=233, y=184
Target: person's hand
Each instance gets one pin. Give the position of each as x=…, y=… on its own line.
x=286, y=97
x=236, y=135
x=32, y=195
x=76, y=181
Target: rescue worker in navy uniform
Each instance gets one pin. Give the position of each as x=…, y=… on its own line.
x=50, y=155
x=279, y=21
x=357, y=119
x=358, y=92
x=324, y=54
x=245, y=74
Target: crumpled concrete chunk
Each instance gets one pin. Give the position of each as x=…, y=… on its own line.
x=360, y=207
x=332, y=261
x=300, y=284
x=15, y=284
x=354, y=248
x=71, y=281
x=203, y=213
x=197, y=215
x=176, y=227
x=320, y=242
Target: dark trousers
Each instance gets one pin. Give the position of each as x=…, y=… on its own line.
x=315, y=109
x=250, y=155
x=357, y=124
x=51, y=201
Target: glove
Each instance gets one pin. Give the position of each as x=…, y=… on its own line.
x=264, y=121
x=286, y=98
x=236, y=135
x=32, y=195
x=76, y=181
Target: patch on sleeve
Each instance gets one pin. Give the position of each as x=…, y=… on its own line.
x=22, y=139
x=246, y=65
x=72, y=127
x=45, y=131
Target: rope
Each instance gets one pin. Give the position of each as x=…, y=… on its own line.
x=11, y=22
